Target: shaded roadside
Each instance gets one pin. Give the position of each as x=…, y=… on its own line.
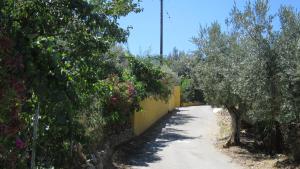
x=249, y=154
x=143, y=149
x=184, y=138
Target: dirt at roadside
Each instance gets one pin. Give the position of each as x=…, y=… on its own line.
x=246, y=155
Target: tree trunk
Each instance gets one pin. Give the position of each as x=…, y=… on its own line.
x=235, y=127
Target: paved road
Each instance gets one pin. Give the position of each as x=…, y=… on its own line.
x=182, y=140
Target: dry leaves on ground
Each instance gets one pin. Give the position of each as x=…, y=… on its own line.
x=244, y=155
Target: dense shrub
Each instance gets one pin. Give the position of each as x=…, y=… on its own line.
x=184, y=64
x=190, y=91
x=59, y=62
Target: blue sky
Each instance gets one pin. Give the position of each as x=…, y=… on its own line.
x=182, y=20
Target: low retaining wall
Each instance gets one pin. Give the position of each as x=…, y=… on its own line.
x=153, y=110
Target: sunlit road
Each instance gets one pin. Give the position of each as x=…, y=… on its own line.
x=183, y=140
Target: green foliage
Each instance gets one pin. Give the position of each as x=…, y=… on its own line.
x=184, y=65
x=216, y=73
x=62, y=55
x=253, y=67
x=190, y=91
x=156, y=82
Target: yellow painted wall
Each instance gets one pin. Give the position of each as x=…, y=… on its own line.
x=153, y=110
x=177, y=96
x=171, y=102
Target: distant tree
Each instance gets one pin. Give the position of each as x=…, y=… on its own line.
x=184, y=64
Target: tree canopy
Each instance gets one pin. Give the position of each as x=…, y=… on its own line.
x=252, y=68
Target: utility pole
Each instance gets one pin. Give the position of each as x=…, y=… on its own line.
x=161, y=31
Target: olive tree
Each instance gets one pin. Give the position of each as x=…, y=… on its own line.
x=252, y=69
x=288, y=50
x=217, y=74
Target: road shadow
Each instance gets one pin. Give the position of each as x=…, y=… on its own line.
x=143, y=149
x=284, y=164
x=253, y=152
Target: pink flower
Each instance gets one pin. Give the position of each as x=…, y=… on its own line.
x=114, y=99
x=20, y=144
x=131, y=90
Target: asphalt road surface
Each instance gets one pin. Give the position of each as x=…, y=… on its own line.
x=181, y=140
